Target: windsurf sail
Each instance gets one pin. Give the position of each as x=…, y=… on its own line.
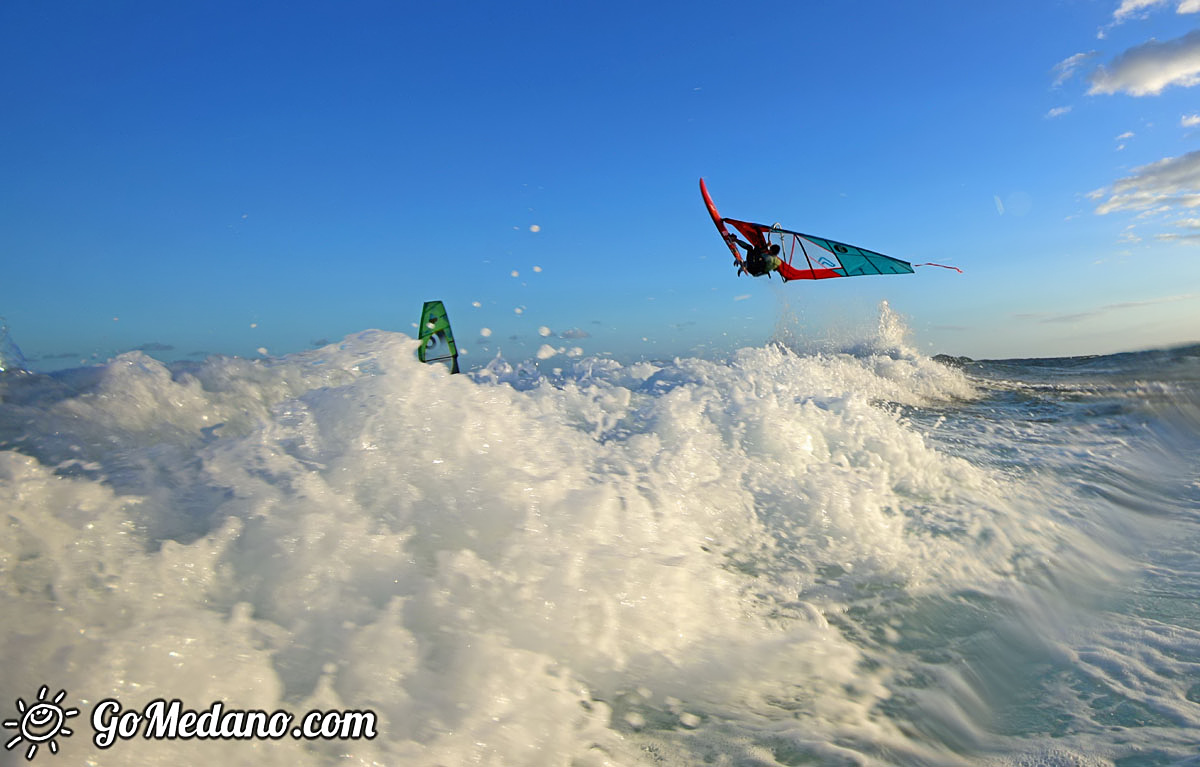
x=437, y=341
x=805, y=256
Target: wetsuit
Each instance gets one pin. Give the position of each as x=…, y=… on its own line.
x=758, y=261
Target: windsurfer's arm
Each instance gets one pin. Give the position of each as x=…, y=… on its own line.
x=748, y=247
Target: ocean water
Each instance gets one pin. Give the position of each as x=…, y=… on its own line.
x=787, y=556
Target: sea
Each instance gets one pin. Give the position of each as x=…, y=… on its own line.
x=787, y=554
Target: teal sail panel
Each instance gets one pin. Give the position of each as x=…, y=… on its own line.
x=849, y=260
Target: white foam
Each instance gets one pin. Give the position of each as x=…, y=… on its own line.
x=509, y=570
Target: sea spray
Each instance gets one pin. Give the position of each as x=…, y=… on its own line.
x=847, y=556
x=11, y=359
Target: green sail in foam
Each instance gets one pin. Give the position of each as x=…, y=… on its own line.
x=437, y=341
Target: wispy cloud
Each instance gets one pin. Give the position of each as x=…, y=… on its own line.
x=1129, y=237
x=1191, y=239
x=1191, y=236
x=1170, y=183
x=1066, y=69
x=1106, y=309
x=1057, y=112
x=1190, y=121
x=1140, y=9
x=1147, y=69
x=1134, y=9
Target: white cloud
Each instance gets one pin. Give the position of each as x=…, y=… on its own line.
x=1140, y=9
x=1134, y=8
x=1147, y=69
x=1057, y=112
x=1126, y=135
x=1190, y=121
x=1172, y=182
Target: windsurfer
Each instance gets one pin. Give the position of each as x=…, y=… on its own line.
x=758, y=261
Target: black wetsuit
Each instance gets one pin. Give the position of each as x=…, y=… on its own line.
x=758, y=261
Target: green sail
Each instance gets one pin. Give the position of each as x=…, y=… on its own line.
x=437, y=341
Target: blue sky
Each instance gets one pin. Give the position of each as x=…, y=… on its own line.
x=231, y=177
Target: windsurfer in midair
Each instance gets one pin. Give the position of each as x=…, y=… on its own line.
x=758, y=261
